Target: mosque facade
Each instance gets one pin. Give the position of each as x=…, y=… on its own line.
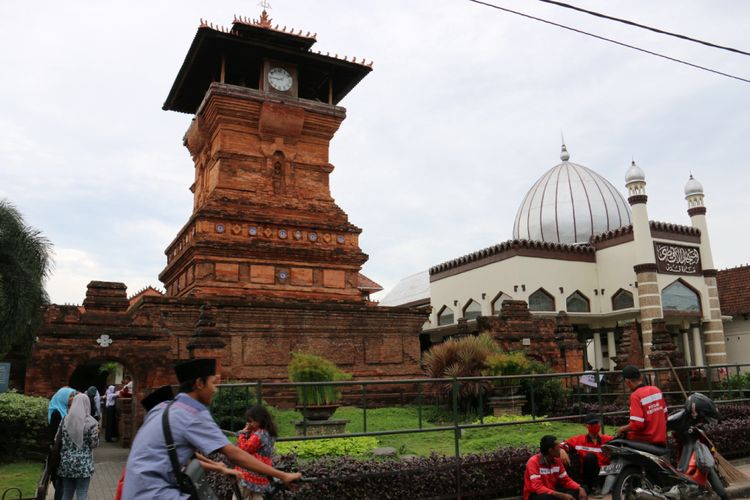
x=582, y=249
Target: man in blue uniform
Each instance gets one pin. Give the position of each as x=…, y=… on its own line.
x=149, y=470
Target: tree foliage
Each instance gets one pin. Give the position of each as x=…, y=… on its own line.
x=24, y=265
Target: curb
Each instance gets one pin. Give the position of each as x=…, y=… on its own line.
x=741, y=490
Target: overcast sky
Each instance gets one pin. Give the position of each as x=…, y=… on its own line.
x=460, y=116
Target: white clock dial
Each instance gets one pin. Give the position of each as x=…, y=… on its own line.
x=280, y=79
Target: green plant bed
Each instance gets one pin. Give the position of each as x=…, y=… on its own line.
x=423, y=444
x=338, y=447
x=22, y=475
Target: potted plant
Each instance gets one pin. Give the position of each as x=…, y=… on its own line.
x=316, y=402
x=506, y=400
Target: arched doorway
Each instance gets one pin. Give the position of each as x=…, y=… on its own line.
x=97, y=373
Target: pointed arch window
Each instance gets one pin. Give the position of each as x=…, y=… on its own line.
x=577, y=302
x=622, y=299
x=472, y=309
x=680, y=297
x=541, y=301
x=497, y=302
x=445, y=316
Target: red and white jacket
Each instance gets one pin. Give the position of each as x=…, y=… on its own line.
x=545, y=476
x=648, y=415
x=585, y=444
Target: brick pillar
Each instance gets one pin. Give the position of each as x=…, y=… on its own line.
x=570, y=349
x=649, y=303
x=713, y=328
x=206, y=341
x=629, y=351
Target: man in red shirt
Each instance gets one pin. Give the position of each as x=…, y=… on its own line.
x=588, y=448
x=648, y=410
x=545, y=477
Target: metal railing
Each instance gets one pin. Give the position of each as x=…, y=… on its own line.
x=608, y=389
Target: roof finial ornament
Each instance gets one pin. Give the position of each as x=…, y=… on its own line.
x=264, y=21
x=564, y=155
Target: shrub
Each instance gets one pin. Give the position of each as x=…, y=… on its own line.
x=584, y=408
x=230, y=404
x=487, y=475
x=732, y=411
x=306, y=367
x=23, y=420
x=336, y=447
x=464, y=357
x=739, y=385
x=726, y=436
x=549, y=394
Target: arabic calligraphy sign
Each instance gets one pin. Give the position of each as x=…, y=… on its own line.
x=677, y=259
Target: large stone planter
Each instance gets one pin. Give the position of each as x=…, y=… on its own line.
x=507, y=405
x=317, y=412
x=320, y=427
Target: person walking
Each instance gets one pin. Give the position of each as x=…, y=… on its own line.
x=56, y=410
x=80, y=435
x=110, y=414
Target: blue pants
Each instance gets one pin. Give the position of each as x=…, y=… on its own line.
x=75, y=485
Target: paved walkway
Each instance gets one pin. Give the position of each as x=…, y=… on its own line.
x=109, y=460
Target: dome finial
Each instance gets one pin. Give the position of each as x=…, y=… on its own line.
x=564, y=155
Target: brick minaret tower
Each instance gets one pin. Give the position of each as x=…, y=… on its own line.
x=264, y=223
x=713, y=328
x=649, y=295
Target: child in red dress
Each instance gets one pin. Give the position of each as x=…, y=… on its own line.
x=257, y=438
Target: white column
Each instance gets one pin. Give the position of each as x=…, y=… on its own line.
x=611, y=349
x=698, y=346
x=597, y=350
x=686, y=348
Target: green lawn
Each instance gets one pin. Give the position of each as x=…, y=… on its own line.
x=473, y=440
x=23, y=475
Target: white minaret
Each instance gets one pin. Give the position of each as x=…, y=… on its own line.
x=713, y=329
x=649, y=295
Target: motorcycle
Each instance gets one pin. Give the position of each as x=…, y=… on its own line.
x=643, y=471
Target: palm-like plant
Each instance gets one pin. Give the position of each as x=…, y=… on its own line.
x=465, y=357
x=24, y=265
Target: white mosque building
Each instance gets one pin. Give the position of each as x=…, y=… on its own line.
x=579, y=246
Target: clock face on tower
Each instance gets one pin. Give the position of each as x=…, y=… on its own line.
x=280, y=79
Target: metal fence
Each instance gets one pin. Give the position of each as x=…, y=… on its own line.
x=607, y=396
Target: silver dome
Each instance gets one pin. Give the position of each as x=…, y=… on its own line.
x=634, y=174
x=569, y=204
x=693, y=187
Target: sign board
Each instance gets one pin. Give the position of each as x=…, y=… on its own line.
x=4, y=376
x=589, y=379
x=677, y=259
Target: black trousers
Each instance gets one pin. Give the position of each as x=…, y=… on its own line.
x=545, y=496
x=589, y=471
x=110, y=429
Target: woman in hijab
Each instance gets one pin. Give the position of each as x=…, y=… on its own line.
x=58, y=408
x=80, y=435
x=94, y=399
x=110, y=414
